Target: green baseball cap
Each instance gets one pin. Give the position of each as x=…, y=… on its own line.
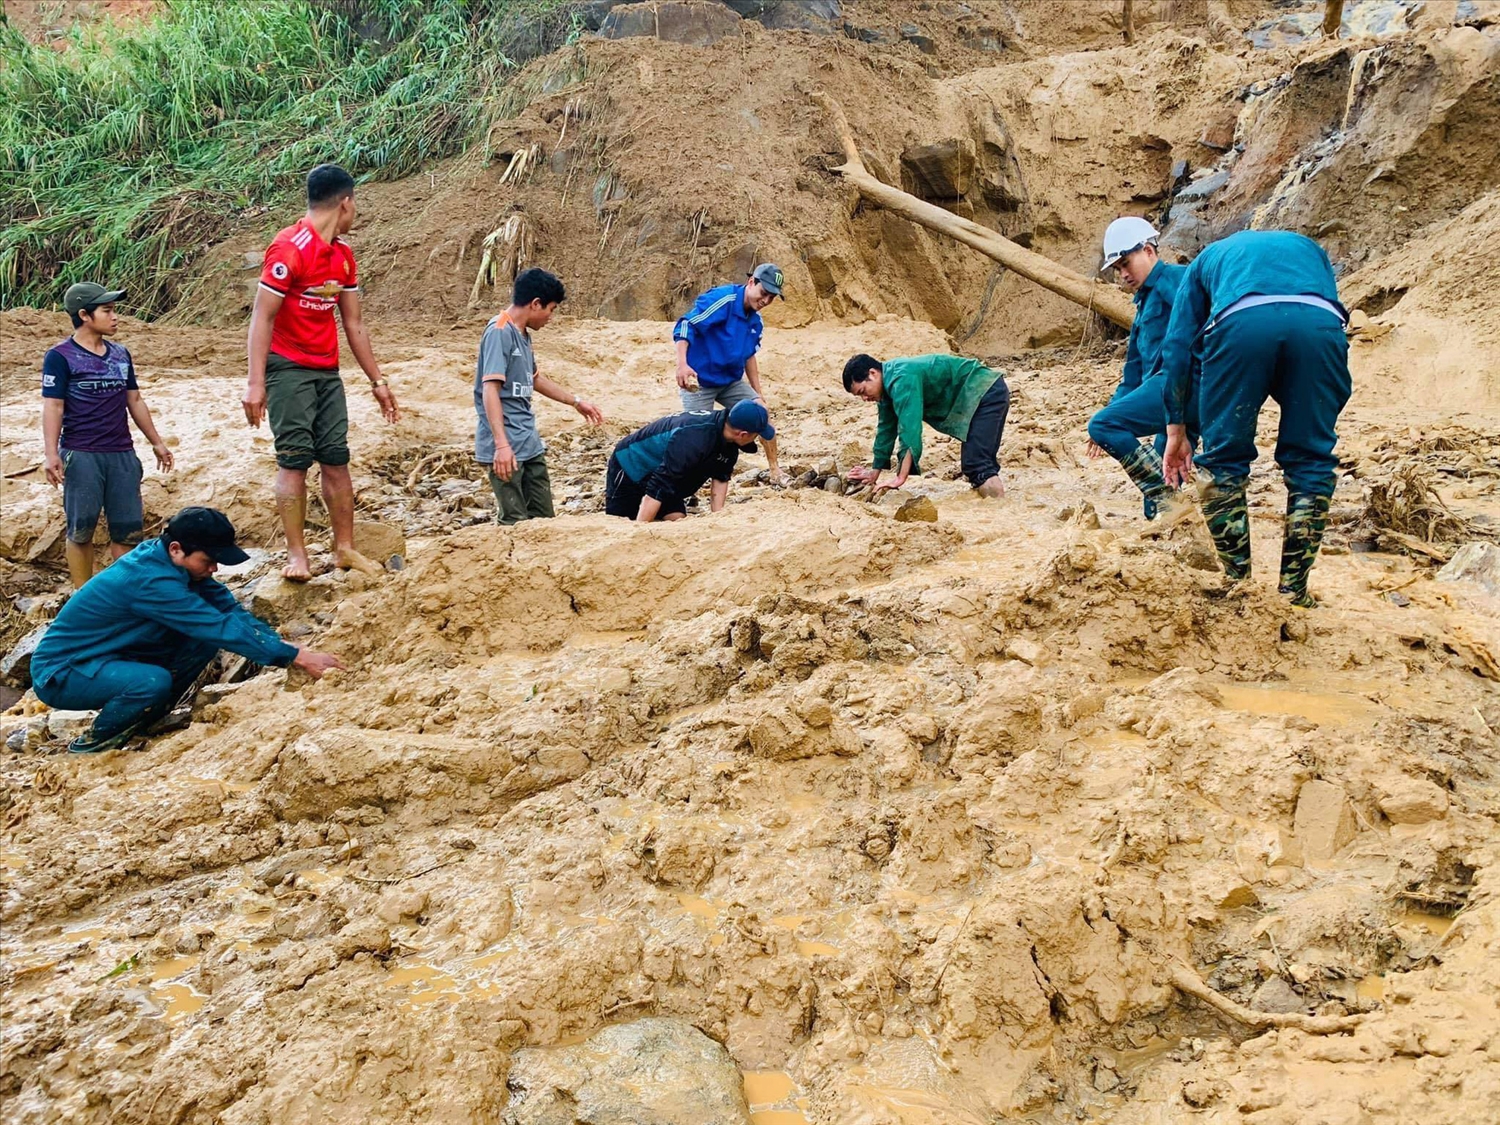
x=89, y=294
x=770, y=277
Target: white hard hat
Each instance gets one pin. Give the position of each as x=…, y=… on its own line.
x=1124, y=235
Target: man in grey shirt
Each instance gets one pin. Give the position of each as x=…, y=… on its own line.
x=506, y=437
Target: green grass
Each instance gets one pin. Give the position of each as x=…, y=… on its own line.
x=131, y=149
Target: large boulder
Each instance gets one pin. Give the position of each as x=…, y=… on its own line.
x=1478, y=563
x=694, y=23
x=647, y=1072
x=15, y=667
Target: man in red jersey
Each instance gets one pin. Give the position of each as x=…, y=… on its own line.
x=294, y=365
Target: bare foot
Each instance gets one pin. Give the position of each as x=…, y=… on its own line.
x=297, y=568
x=347, y=558
x=992, y=489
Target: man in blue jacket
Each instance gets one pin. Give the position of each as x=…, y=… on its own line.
x=653, y=471
x=716, y=345
x=136, y=636
x=1136, y=410
x=1264, y=309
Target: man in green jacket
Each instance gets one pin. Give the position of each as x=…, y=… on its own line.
x=959, y=397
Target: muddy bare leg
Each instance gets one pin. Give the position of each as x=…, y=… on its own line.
x=80, y=562
x=338, y=495
x=291, y=507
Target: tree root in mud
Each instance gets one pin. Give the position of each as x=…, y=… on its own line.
x=1185, y=980
x=1405, y=512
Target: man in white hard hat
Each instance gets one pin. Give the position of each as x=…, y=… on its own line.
x=1136, y=410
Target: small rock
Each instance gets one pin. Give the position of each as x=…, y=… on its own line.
x=363, y=935
x=1275, y=995
x=15, y=741
x=209, y=694
x=378, y=541
x=1324, y=823
x=278, y=601
x=918, y=508
x=15, y=668
x=256, y=561
x=1202, y=188
x=1474, y=562
x=252, y=260
x=1027, y=651
x=834, y=485
x=913, y=35
x=1410, y=800
x=69, y=724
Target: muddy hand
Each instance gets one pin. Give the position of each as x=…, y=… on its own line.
x=55, y=469
x=254, y=403
x=387, y=399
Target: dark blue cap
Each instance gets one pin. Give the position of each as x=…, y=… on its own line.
x=751, y=416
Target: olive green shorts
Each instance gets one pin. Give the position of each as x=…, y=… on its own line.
x=308, y=414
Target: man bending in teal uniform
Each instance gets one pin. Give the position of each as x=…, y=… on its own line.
x=959, y=397
x=1136, y=409
x=1264, y=308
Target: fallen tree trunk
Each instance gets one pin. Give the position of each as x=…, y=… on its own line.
x=1106, y=300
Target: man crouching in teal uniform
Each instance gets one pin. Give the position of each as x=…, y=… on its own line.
x=136, y=636
x=1265, y=309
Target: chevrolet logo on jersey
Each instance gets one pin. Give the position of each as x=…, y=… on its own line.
x=328, y=290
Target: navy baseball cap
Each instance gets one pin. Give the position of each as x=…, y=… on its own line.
x=770, y=277
x=207, y=530
x=751, y=416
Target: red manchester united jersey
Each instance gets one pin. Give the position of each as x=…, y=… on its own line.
x=308, y=274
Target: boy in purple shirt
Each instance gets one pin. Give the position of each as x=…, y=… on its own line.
x=88, y=392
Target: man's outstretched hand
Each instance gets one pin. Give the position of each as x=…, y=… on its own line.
x=863, y=475
x=316, y=663
x=1177, y=461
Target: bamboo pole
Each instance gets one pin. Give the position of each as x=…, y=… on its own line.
x=1104, y=299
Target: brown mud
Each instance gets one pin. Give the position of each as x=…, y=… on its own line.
x=924, y=822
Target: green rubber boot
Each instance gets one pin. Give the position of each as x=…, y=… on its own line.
x=1306, y=519
x=1143, y=467
x=1228, y=518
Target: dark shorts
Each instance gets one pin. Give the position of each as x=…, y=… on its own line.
x=527, y=495
x=623, y=496
x=979, y=456
x=102, y=482
x=308, y=414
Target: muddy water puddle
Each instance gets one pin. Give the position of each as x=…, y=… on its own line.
x=774, y=1098
x=1322, y=706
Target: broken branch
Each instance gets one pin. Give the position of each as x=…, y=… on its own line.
x=1186, y=980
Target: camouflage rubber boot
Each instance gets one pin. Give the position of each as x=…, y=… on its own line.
x=1228, y=518
x=1306, y=517
x=1143, y=467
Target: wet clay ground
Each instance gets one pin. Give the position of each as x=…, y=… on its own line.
x=923, y=821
